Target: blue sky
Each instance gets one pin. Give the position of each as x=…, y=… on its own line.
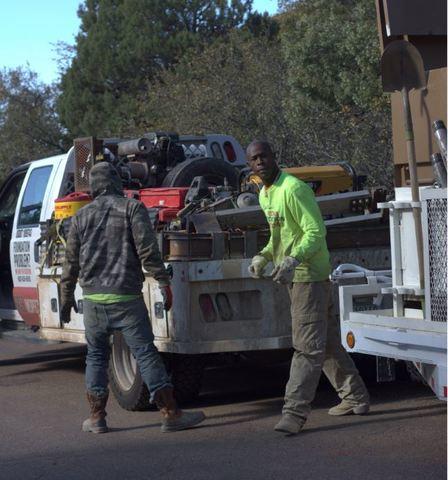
x=30, y=28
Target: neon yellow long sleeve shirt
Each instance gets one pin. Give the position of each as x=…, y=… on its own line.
x=297, y=228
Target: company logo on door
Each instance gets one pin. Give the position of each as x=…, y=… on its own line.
x=25, y=232
x=22, y=260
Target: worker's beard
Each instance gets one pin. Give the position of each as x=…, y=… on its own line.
x=269, y=177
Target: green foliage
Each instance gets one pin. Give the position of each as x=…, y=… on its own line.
x=234, y=86
x=331, y=49
x=307, y=80
x=122, y=44
x=336, y=109
x=29, y=126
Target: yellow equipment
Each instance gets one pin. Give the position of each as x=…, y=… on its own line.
x=323, y=179
x=67, y=206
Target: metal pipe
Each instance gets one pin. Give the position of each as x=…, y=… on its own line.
x=439, y=129
x=439, y=169
x=134, y=147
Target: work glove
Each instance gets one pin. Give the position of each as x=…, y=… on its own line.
x=66, y=307
x=284, y=273
x=167, y=296
x=256, y=268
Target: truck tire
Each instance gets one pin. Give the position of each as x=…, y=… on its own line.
x=127, y=384
x=125, y=379
x=214, y=170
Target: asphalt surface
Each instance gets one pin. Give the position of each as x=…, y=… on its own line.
x=42, y=406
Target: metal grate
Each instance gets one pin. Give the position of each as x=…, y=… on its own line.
x=193, y=150
x=437, y=257
x=86, y=151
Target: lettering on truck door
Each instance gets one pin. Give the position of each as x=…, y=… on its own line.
x=24, y=253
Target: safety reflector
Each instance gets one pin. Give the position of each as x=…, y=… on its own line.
x=350, y=340
x=224, y=307
x=230, y=151
x=207, y=307
x=445, y=391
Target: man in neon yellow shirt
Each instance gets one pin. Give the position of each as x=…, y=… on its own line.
x=298, y=249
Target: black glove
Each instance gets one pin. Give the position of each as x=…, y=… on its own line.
x=66, y=308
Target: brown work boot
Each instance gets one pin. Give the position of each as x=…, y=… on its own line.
x=96, y=423
x=174, y=419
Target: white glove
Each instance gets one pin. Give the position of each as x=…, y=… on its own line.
x=284, y=273
x=256, y=268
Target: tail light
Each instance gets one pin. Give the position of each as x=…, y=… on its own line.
x=224, y=307
x=230, y=151
x=207, y=307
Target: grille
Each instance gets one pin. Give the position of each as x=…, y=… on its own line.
x=437, y=258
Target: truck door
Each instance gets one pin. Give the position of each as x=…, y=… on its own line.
x=24, y=253
x=9, y=195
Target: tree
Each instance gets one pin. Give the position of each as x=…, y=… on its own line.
x=29, y=125
x=121, y=46
x=235, y=86
x=336, y=109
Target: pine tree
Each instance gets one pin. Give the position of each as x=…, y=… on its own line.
x=123, y=44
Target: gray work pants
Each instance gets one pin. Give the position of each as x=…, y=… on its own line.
x=317, y=347
x=131, y=319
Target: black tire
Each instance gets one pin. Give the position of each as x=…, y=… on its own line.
x=125, y=379
x=213, y=169
x=127, y=384
x=186, y=374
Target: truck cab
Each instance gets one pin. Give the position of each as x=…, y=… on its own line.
x=27, y=199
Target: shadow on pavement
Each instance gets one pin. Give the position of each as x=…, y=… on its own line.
x=45, y=356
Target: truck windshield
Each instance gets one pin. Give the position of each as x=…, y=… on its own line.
x=33, y=197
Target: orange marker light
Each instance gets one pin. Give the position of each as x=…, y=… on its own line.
x=350, y=339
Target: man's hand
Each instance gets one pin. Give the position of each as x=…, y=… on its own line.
x=256, y=268
x=66, y=308
x=284, y=273
x=167, y=296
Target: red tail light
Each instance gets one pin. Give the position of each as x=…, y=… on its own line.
x=230, y=151
x=207, y=307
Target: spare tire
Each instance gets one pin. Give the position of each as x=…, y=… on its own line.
x=214, y=170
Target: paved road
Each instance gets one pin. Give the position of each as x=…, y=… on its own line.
x=42, y=406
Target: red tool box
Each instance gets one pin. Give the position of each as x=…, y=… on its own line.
x=170, y=197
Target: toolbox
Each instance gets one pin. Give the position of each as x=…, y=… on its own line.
x=172, y=197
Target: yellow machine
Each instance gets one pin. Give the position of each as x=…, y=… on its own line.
x=67, y=206
x=323, y=179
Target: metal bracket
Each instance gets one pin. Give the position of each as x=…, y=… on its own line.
x=250, y=243
x=218, y=246
x=385, y=369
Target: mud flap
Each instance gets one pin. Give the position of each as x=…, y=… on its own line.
x=385, y=369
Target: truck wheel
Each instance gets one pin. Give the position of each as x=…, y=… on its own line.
x=186, y=374
x=125, y=380
x=214, y=170
x=127, y=384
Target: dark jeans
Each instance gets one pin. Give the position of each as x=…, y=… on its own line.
x=131, y=319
